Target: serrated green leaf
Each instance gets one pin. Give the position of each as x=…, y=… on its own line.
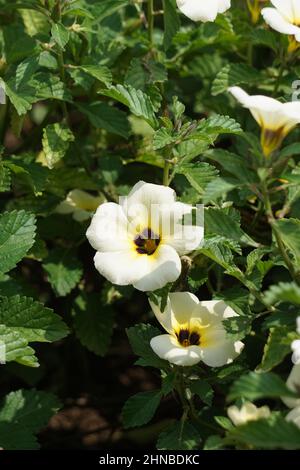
x=277, y=347
x=234, y=74
x=289, y=230
x=272, y=433
x=17, y=232
x=198, y=174
x=139, y=337
x=100, y=72
x=56, y=141
x=104, y=116
x=204, y=390
x=64, y=270
x=60, y=34
x=16, y=348
x=138, y=102
x=31, y=319
x=171, y=22
x=5, y=178
x=140, y=408
x=179, y=436
x=93, y=323
x=254, y=386
x=283, y=292
x=22, y=414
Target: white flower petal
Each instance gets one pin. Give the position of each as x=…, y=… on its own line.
x=296, y=351
x=293, y=383
x=121, y=267
x=278, y=22
x=222, y=353
x=109, y=229
x=298, y=325
x=202, y=11
x=178, y=228
x=248, y=412
x=289, y=9
x=179, y=304
x=294, y=416
x=166, y=347
x=162, y=267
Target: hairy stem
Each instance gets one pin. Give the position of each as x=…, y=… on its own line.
x=150, y=18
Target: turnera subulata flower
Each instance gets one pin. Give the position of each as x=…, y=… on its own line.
x=284, y=17
x=80, y=204
x=248, y=412
x=276, y=119
x=140, y=240
x=199, y=10
x=195, y=331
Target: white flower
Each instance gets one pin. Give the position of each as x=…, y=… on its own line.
x=195, y=331
x=139, y=241
x=203, y=10
x=285, y=17
x=248, y=412
x=79, y=203
x=293, y=383
x=275, y=119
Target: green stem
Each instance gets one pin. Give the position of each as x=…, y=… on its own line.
x=280, y=244
x=150, y=18
x=166, y=180
x=279, y=77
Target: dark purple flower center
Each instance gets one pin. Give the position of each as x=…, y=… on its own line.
x=146, y=242
x=188, y=338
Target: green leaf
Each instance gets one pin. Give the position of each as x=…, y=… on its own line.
x=100, y=72
x=56, y=141
x=17, y=232
x=255, y=386
x=22, y=414
x=179, y=436
x=106, y=8
x=34, y=174
x=265, y=37
x=232, y=163
x=214, y=442
x=64, y=270
x=5, y=178
x=139, y=337
x=162, y=138
x=289, y=230
x=16, y=348
x=93, y=323
x=234, y=74
x=138, y=102
x=104, y=116
x=198, y=174
x=140, y=408
x=283, y=292
x=216, y=125
x=204, y=390
x=272, y=433
x=60, y=35
x=171, y=22
x=277, y=347
x=237, y=327
x=31, y=319
x=222, y=222
x=219, y=187
x=34, y=22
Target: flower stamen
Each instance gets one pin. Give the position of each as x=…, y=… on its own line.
x=188, y=338
x=146, y=242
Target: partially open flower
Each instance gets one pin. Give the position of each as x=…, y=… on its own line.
x=248, y=412
x=276, y=119
x=195, y=331
x=285, y=17
x=140, y=240
x=80, y=204
x=199, y=10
